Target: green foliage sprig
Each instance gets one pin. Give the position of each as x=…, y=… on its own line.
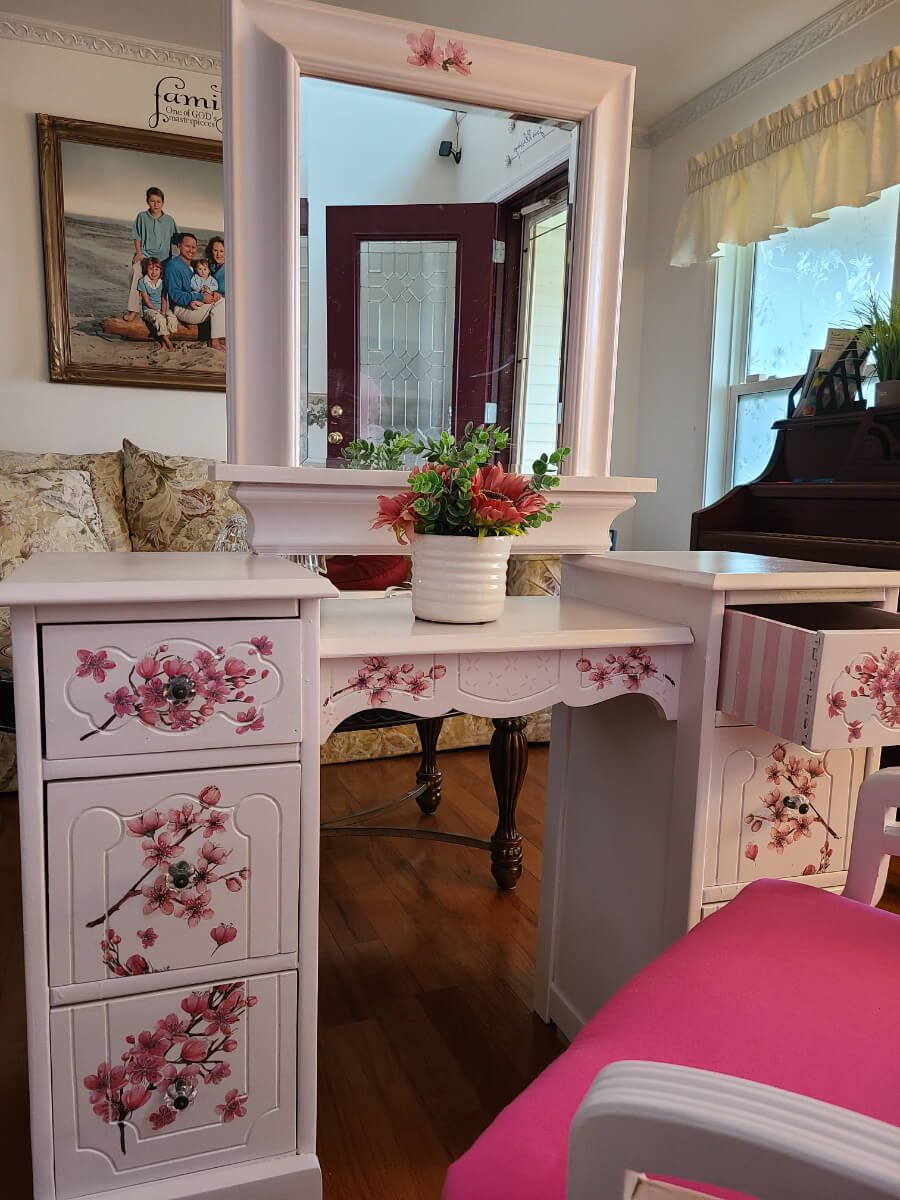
x=390, y=454
x=880, y=333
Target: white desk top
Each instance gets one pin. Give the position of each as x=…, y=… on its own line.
x=354, y=627
x=726, y=570
x=137, y=578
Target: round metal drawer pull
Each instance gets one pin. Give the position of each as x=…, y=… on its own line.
x=181, y=875
x=180, y=689
x=181, y=1092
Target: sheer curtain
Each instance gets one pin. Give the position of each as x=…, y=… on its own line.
x=839, y=145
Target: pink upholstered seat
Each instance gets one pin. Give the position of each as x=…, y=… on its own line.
x=787, y=985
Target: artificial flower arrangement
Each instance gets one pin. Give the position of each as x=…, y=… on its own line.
x=462, y=491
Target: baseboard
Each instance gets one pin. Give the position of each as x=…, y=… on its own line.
x=290, y=1177
x=567, y=1019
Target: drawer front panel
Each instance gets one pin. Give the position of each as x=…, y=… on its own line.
x=821, y=688
x=121, y=689
x=172, y=1082
x=162, y=872
x=776, y=810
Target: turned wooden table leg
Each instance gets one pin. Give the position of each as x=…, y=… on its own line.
x=508, y=756
x=429, y=773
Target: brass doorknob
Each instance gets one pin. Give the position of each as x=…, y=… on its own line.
x=335, y=437
x=336, y=410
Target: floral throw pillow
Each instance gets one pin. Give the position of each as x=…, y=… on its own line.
x=105, y=470
x=170, y=502
x=39, y=511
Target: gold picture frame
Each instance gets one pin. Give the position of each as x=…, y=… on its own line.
x=82, y=252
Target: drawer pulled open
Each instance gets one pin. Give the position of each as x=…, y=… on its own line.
x=822, y=675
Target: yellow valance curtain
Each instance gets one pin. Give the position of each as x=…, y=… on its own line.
x=839, y=145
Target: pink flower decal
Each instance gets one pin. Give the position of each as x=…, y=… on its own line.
x=876, y=678
x=425, y=53
x=250, y=720
x=790, y=808
x=164, y=841
x=379, y=679
x=175, y=694
x=174, y=1050
x=634, y=668
x=222, y=935
x=94, y=663
x=234, y=1106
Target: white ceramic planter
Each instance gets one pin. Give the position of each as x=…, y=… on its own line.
x=459, y=580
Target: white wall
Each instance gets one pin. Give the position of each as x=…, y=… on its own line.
x=678, y=302
x=487, y=140
x=34, y=413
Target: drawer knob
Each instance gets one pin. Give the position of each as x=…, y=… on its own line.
x=180, y=689
x=181, y=875
x=181, y=1092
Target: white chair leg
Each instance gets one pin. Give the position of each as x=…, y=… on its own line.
x=691, y=1124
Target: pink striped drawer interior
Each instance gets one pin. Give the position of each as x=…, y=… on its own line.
x=764, y=676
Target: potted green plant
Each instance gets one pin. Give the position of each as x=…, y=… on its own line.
x=880, y=333
x=460, y=511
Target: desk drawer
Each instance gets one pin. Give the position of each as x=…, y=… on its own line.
x=164, y=1084
x=138, y=688
x=167, y=872
x=820, y=675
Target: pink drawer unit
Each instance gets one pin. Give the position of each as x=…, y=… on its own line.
x=166, y=872
x=137, y=688
x=159, y=1085
x=820, y=675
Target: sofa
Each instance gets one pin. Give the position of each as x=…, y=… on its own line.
x=137, y=500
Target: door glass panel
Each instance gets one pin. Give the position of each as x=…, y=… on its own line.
x=407, y=314
x=541, y=322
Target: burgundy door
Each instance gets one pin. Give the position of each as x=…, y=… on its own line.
x=410, y=300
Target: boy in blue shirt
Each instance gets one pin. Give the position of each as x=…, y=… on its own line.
x=153, y=233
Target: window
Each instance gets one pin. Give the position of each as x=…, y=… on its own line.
x=774, y=302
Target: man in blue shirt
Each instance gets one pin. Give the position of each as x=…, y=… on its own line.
x=153, y=233
x=184, y=303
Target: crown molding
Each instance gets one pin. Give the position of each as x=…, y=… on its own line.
x=112, y=45
x=782, y=54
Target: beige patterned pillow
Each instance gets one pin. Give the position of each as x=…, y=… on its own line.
x=105, y=470
x=39, y=511
x=170, y=502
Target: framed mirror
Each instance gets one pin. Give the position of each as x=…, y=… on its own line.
x=425, y=228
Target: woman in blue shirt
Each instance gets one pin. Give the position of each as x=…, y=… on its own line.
x=153, y=233
x=215, y=256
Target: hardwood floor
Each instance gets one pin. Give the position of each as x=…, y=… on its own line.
x=426, y=1028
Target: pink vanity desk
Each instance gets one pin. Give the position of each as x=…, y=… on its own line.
x=169, y=701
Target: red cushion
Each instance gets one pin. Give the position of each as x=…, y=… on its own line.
x=369, y=573
x=787, y=985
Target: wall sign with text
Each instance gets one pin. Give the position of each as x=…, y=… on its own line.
x=179, y=106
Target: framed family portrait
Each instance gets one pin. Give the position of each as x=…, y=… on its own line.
x=134, y=255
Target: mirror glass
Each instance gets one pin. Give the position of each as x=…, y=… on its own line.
x=434, y=256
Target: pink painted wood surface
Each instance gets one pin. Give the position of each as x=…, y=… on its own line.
x=115, y=913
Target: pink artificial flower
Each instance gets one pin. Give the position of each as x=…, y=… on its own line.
x=122, y=700
x=457, y=59
x=263, y=644
x=234, y=1106
x=148, y=937
x=424, y=52
x=210, y=796
x=145, y=823
x=251, y=720
x=94, y=663
x=501, y=498
x=751, y=850
x=397, y=513
x=222, y=935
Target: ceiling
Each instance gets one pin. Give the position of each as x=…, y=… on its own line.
x=680, y=47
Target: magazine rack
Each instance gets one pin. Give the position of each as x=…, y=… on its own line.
x=838, y=391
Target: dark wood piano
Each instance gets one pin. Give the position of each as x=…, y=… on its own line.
x=830, y=493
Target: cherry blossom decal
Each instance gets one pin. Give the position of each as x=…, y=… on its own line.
x=635, y=667
x=169, y=692
x=184, y=1050
x=379, y=679
x=425, y=53
x=178, y=887
x=789, y=808
x=877, y=678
